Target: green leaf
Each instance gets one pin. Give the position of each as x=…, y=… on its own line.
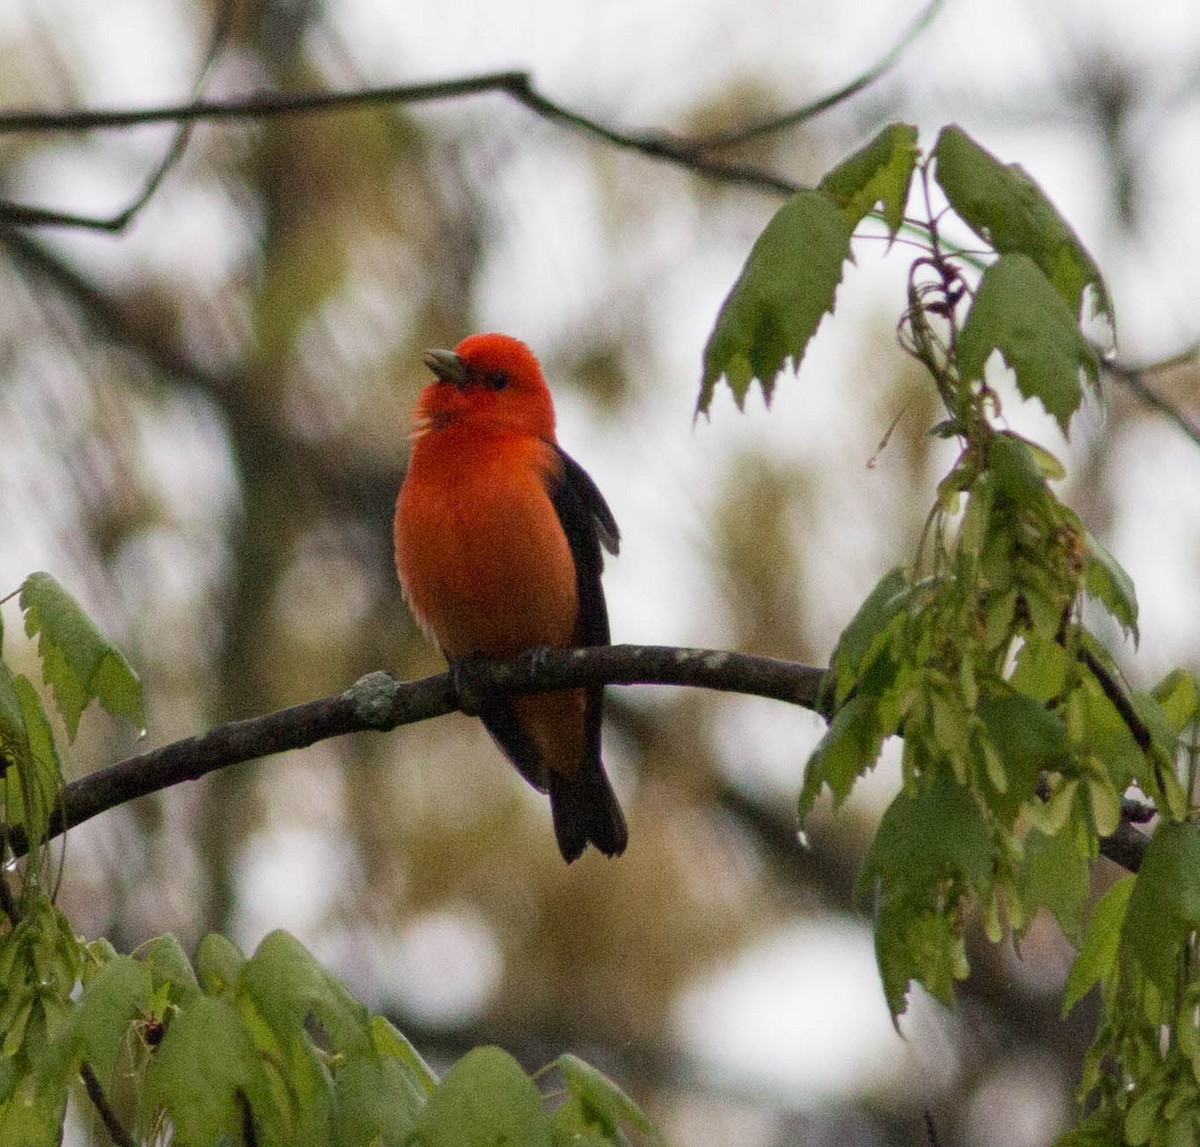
x=389, y=1041
x=928, y=842
x=1107, y=735
x=867, y=631
x=1106, y=580
x=1054, y=874
x=1007, y=209
x=1144, y=1114
x=850, y=747
x=1041, y=669
x=927, y=837
x=1100, y=1129
x=78, y=662
x=117, y=995
x=485, y=1100
x=218, y=963
x=786, y=287
x=1097, y=959
x=378, y=1101
x=880, y=173
x=1028, y=738
x=1018, y=313
x=204, y=1065
x=1015, y=469
x=601, y=1102
x=922, y=947
x=572, y=1126
x=167, y=962
x=1177, y=697
x=1164, y=906
x=288, y=985
x=41, y=778
x=14, y=738
x=32, y=1117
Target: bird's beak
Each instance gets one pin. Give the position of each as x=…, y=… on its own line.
x=447, y=366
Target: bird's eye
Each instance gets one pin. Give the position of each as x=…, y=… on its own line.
x=497, y=380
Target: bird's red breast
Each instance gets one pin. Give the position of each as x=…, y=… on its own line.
x=498, y=537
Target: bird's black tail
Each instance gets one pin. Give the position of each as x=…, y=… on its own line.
x=586, y=811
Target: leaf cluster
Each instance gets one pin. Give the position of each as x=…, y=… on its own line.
x=1020, y=738
x=79, y=665
x=265, y=1049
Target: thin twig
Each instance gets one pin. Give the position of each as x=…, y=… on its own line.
x=810, y=110
x=263, y=105
x=1133, y=377
x=108, y=1117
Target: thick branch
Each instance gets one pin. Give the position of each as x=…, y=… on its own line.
x=380, y=702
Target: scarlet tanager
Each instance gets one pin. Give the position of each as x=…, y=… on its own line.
x=498, y=534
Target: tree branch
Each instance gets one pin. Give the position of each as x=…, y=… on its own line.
x=518, y=86
x=692, y=154
x=379, y=702
x=28, y=216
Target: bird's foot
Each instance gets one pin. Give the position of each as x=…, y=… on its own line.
x=464, y=680
x=539, y=657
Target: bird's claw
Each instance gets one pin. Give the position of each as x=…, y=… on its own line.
x=539, y=658
x=464, y=673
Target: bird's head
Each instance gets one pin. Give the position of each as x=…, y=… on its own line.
x=488, y=380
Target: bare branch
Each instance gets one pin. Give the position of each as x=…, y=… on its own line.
x=517, y=85
x=25, y=215
x=380, y=702
x=264, y=105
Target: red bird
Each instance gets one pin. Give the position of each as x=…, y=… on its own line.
x=498, y=535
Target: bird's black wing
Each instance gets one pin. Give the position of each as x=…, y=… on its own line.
x=581, y=798
x=589, y=524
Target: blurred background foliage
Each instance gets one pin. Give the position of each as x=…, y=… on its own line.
x=205, y=427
